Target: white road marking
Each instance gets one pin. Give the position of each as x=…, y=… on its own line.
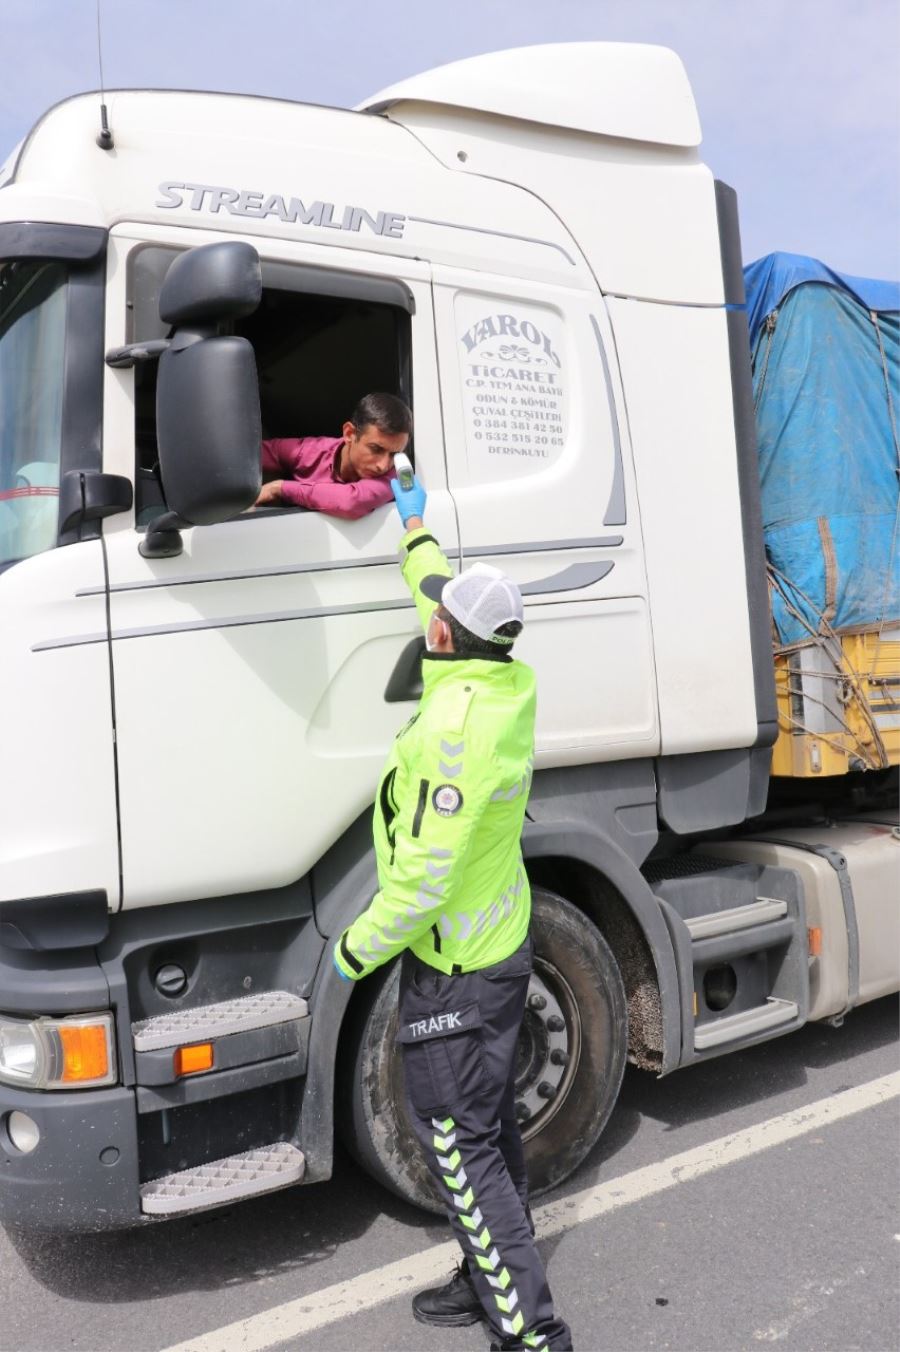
x=358, y=1294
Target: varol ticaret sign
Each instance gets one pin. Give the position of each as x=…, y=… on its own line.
x=513, y=382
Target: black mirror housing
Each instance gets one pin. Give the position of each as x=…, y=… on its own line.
x=209, y=429
x=208, y=424
x=210, y=284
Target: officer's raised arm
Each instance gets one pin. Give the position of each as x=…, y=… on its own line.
x=420, y=553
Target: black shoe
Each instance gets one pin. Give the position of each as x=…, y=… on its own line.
x=451, y=1306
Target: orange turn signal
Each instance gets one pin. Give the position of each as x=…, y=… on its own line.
x=193, y=1060
x=85, y=1050
x=814, y=934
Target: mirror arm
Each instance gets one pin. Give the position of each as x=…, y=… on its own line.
x=163, y=539
x=133, y=353
x=121, y=358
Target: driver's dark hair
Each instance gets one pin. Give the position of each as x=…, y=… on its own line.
x=384, y=411
x=468, y=644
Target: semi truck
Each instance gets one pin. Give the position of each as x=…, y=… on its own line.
x=198, y=696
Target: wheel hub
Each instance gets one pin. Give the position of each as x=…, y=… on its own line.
x=548, y=1050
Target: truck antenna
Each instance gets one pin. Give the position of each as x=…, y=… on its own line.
x=105, y=137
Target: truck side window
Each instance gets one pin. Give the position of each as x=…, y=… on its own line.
x=322, y=339
x=32, y=368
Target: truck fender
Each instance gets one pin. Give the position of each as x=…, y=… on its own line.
x=328, y=1005
x=584, y=843
x=344, y=882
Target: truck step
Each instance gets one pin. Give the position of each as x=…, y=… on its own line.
x=206, y=1022
x=759, y=912
x=748, y=1022
x=228, y=1180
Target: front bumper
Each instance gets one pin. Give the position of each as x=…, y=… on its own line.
x=99, y=1147
x=83, y=1174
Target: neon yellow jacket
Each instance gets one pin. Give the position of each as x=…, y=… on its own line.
x=449, y=811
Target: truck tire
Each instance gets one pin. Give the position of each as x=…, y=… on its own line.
x=571, y=1059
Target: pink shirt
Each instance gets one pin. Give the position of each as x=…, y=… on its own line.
x=308, y=466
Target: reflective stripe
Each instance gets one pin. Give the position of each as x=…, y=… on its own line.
x=479, y=1236
x=476, y=923
x=412, y=915
x=453, y=765
x=430, y=892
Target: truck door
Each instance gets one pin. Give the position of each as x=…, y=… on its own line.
x=57, y=784
x=250, y=671
x=539, y=467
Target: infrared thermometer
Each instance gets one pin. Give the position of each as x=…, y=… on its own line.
x=405, y=474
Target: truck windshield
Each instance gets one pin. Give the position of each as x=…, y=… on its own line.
x=32, y=351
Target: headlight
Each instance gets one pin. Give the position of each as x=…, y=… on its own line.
x=72, y=1053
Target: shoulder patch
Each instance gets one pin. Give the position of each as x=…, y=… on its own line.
x=446, y=800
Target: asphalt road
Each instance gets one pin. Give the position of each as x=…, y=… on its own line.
x=793, y=1243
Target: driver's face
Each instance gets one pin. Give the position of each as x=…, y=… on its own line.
x=370, y=452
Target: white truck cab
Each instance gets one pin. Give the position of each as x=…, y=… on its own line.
x=526, y=247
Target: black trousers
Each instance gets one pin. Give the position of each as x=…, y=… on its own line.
x=458, y=1035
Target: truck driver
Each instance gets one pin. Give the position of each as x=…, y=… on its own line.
x=346, y=476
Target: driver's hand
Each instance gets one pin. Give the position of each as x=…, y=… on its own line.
x=270, y=494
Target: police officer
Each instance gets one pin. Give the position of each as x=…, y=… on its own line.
x=454, y=900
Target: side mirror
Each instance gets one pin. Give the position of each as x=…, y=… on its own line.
x=208, y=424
x=208, y=429
x=214, y=282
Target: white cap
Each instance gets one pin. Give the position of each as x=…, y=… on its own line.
x=482, y=599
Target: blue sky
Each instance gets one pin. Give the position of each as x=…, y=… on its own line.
x=799, y=99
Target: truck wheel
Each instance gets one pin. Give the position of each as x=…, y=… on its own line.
x=569, y=1066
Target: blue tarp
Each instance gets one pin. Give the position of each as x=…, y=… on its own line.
x=769, y=279
x=827, y=442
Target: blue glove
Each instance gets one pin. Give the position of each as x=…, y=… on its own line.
x=342, y=974
x=411, y=501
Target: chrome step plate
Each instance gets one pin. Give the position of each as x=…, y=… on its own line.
x=759, y=912
x=206, y=1022
x=749, y=1021
x=228, y=1180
